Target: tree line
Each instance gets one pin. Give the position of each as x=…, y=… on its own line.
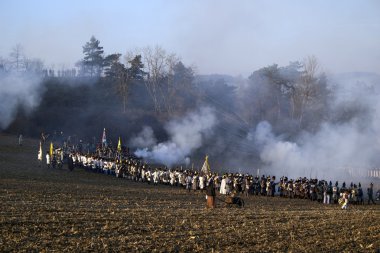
x=123, y=93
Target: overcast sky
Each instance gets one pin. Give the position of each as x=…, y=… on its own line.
x=217, y=36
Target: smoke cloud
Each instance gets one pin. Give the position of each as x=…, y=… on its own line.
x=186, y=135
x=17, y=89
x=337, y=149
x=144, y=139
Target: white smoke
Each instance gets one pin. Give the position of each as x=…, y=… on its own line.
x=335, y=150
x=17, y=89
x=144, y=139
x=276, y=154
x=186, y=135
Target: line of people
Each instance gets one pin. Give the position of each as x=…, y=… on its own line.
x=124, y=165
x=313, y=189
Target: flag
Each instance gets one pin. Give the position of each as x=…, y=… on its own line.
x=119, y=145
x=51, y=149
x=206, y=167
x=104, y=138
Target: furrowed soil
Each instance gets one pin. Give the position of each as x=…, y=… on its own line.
x=60, y=211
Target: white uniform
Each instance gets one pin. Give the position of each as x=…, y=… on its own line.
x=201, y=182
x=345, y=201
x=47, y=159
x=39, y=156
x=223, y=186
x=172, y=178
x=156, y=177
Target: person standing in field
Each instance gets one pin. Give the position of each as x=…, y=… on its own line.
x=210, y=194
x=344, y=200
x=156, y=177
x=360, y=195
x=223, y=185
x=189, y=180
x=39, y=157
x=273, y=186
x=327, y=191
x=48, y=160
x=70, y=163
x=370, y=194
x=335, y=191
x=202, y=179
x=20, y=140
x=194, y=183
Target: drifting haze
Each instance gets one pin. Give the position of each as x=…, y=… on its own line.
x=229, y=37
x=338, y=147
x=239, y=122
x=18, y=90
x=186, y=135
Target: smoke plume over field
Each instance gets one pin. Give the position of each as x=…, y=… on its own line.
x=242, y=124
x=17, y=90
x=238, y=82
x=185, y=135
x=338, y=147
x=348, y=140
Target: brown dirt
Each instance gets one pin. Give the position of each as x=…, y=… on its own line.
x=57, y=210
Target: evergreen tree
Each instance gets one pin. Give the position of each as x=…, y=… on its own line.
x=121, y=76
x=136, y=68
x=93, y=61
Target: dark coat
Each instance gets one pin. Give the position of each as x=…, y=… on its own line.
x=210, y=190
x=70, y=163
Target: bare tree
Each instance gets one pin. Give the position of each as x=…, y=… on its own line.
x=306, y=89
x=17, y=57
x=4, y=65
x=33, y=65
x=123, y=83
x=171, y=62
x=159, y=66
x=154, y=62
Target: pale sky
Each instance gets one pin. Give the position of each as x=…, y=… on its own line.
x=217, y=36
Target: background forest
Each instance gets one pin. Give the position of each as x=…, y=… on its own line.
x=166, y=112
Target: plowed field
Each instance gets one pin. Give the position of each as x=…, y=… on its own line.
x=61, y=211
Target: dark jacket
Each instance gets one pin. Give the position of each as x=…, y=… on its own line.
x=210, y=191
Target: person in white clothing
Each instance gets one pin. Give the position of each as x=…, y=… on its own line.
x=48, y=160
x=189, y=180
x=223, y=185
x=172, y=177
x=344, y=201
x=39, y=157
x=156, y=177
x=20, y=140
x=201, y=183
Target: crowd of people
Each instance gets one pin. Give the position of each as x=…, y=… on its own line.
x=121, y=164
